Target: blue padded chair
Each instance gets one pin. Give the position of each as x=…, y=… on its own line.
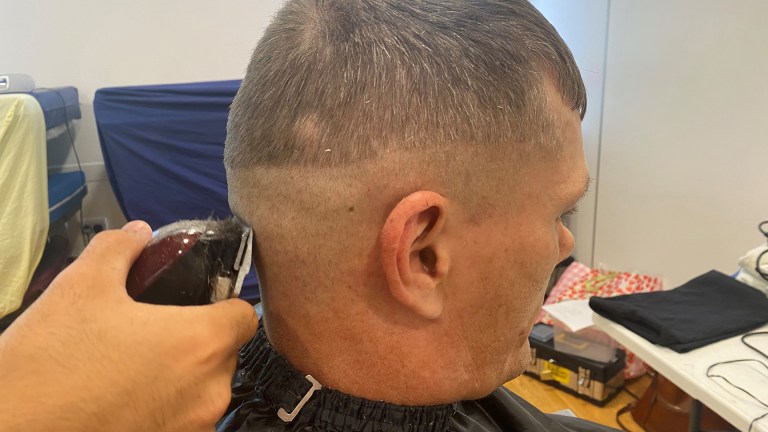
x=66, y=190
x=65, y=194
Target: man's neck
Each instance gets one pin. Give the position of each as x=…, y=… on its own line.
x=287, y=393
x=406, y=366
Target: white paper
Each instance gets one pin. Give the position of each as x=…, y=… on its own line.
x=574, y=314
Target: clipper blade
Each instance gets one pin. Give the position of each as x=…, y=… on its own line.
x=192, y=262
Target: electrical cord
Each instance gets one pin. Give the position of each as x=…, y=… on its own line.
x=82, y=225
x=752, y=347
x=625, y=409
x=71, y=136
x=711, y=375
x=738, y=361
x=67, y=120
x=763, y=228
x=626, y=390
x=755, y=420
x=630, y=406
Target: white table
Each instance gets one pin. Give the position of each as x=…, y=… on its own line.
x=688, y=371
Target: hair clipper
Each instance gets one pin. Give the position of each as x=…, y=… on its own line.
x=193, y=262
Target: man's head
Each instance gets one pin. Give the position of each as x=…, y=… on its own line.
x=404, y=166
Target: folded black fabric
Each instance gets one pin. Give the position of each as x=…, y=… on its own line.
x=704, y=310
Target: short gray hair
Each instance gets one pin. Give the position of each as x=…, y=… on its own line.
x=333, y=82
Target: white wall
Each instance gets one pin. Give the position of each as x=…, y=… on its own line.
x=680, y=151
x=583, y=25
x=684, y=160
x=94, y=44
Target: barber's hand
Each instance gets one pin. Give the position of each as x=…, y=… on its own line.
x=85, y=356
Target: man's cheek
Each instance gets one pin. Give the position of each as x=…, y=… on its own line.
x=526, y=354
x=523, y=359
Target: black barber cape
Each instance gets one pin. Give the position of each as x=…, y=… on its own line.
x=266, y=382
x=704, y=310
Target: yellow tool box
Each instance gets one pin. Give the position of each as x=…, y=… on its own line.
x=593, y=381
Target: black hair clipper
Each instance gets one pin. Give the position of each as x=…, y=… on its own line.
x=192, y=262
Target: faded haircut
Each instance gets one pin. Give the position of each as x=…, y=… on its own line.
x=334, y=82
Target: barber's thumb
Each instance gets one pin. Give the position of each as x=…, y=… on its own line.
x=237, y=318
x=138, y=227
x=115, y=251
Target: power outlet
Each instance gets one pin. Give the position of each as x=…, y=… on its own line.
x=93, y=226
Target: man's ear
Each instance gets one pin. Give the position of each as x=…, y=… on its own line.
x=414, y=252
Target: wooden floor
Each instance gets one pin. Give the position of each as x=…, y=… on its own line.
x=549, y=399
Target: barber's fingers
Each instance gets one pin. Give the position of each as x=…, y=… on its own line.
x=236, y=318
x=110, y=254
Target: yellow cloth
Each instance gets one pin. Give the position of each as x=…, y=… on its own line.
x=23, y=196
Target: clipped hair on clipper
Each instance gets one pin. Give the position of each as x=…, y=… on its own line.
x=192, y=262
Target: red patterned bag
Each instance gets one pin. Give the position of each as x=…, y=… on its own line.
x=580, y=282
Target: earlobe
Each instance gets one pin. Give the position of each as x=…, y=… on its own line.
x=414, y=253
